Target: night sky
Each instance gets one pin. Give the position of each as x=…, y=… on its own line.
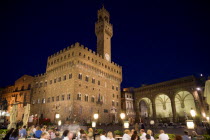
x=154, y=40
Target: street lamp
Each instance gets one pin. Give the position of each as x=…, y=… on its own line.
x=93, y=124
x=57, y=116
x=95, y=116
x=122, y=116
x=192, y=112
x=59, y=122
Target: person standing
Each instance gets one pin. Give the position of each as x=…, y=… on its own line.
x=38, y=132
x=90, y=134
x=22, y=132
x=103, y=137
x=149, y=132
x=185, y=136
x=14, y=135
x=143, y=134
x=135, y=136
x=57, y=136
x=126, y=135
x=163, y=136
x=110, y=136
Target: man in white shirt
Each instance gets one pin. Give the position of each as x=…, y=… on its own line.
x=103, y=137
x=143, y=134
x=163, y=136
x=126, y=135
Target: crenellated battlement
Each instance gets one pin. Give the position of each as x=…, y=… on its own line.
x=83, y=49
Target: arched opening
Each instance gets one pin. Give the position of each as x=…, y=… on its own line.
x=184, y=101
x=163, y=108
x=145, y=108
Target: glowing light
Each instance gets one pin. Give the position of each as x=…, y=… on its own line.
x=122, y=116
x=207, y=118
x=93, y=124
x=198, y=89
x=59, y=122
x=152, y=122
x=126, y=124
x=192, y=112
x=95, y=116
x=57, y=116
x=190, y=124
x=204, y=115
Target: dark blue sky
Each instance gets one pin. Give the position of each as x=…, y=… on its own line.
x=154, y=40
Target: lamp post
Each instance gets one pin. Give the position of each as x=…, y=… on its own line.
x=192, y=125
x=125, y=123
x=95, y=117
x=152, y=122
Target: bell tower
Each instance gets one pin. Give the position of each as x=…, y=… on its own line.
x=104, y=32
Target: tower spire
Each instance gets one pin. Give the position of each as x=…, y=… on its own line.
x=104, y=32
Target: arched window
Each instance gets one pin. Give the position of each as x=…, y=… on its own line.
x=93, y=80
x=113, y=103
x=79, y=96
x=80, y=76
x=93, y=99
x=86, y=98
x=68, y=96
x=86, y=78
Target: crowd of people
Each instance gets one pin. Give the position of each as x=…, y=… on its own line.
x=50, y=133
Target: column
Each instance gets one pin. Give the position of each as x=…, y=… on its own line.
x=173, y=106
x=154, y=111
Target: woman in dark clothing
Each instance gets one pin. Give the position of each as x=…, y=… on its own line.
x=14, y=135
x=135, y=136
x=65, y=133
x=8, y=134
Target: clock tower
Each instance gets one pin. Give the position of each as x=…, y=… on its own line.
x=104, y=32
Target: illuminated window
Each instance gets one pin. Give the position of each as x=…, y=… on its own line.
x=43, y=100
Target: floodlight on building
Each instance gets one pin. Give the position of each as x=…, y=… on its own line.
x=207, y=118
x=122, y=116
x=192, y=112
x=198, y=89
x=95, y=116
x=204, y=115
